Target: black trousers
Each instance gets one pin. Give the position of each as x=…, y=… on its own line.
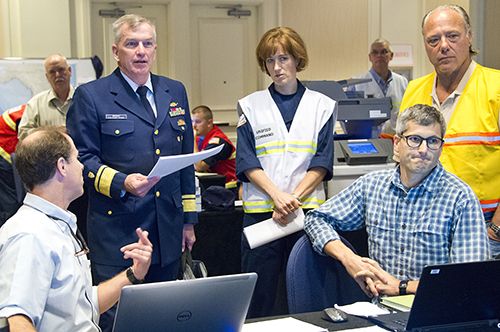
x=9, y=202
x=269, y=262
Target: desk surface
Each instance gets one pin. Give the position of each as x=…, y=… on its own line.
x=315, y=318
x=352, y=323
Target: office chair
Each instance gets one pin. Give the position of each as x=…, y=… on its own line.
x=20, y=190
x=315, y=282
x=4, y=324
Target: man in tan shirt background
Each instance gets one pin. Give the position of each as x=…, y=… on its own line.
x=49, y=108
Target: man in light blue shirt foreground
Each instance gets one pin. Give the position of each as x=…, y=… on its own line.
x=45, y=281
x=415, y=215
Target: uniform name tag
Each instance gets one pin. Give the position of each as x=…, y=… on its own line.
x=116, y=116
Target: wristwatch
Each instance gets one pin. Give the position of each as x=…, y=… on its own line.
x=495, y=229
x=403, y=284
x=131, y=277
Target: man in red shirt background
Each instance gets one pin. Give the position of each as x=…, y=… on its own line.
x=208, y=135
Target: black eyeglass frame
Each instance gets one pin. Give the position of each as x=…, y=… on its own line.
x=421, y=140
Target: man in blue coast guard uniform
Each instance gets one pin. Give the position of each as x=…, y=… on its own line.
x=121, y=125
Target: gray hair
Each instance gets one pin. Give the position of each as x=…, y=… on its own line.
x=460, y=11
x=55, y=56
x=422, y=115
x=382, y=41
x=131, y=21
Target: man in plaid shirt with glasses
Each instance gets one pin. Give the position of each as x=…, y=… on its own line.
x=415, y=214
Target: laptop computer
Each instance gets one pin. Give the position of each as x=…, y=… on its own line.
x=205, y=304
x=452, y=297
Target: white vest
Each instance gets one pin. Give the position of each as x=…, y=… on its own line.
x=285, y=155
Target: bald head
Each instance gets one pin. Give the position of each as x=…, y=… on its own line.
x=55, y=58
x=452, y=9
x=58, y=73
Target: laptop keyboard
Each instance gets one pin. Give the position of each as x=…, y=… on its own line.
x=400, y=322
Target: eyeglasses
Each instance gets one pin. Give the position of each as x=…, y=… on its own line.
x=381, y=52
x=414, y=141
x=81, y=242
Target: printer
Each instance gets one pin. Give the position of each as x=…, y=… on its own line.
x=357, y=148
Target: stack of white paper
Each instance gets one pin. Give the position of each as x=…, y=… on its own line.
x=362, y=309
x=288, y=324
x=169, y=164
x=269, y=230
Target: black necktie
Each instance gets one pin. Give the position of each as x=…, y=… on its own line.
x=142, y=91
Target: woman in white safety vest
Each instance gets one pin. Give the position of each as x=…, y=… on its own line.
x=284, y=153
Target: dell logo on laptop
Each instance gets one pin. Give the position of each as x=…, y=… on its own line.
x=184, y=316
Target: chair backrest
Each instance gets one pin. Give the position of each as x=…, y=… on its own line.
x=315, y=282
x=4, y=324
x=20, y=190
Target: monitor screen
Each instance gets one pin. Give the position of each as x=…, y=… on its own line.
x=362, y=148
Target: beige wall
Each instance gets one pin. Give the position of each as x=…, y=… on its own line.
x=491, y=51
x=35, y=28
x=337, y=32
x=335, y=35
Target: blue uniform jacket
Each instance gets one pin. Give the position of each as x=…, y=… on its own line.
x=115, y=137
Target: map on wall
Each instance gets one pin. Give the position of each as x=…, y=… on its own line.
x=21, y=79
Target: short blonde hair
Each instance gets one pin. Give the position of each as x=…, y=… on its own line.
x=204, y=110
x=132, y=21
x=289, y=40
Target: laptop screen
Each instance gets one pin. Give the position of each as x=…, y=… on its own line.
x=205, y=304
x=457, y=293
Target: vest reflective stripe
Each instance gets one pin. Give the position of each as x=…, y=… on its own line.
x=490, y=205
x=258, y=206
x=231, y=184
x=5, y=155
x=280, y=147
x=472, y=139
x=270, y=148
x=9, y=121
x=266, y=206
x=312, y=203
x=284, y=155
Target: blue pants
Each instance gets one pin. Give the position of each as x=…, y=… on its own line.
x=156, y=273
x=494, y=248
x=269, y=262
